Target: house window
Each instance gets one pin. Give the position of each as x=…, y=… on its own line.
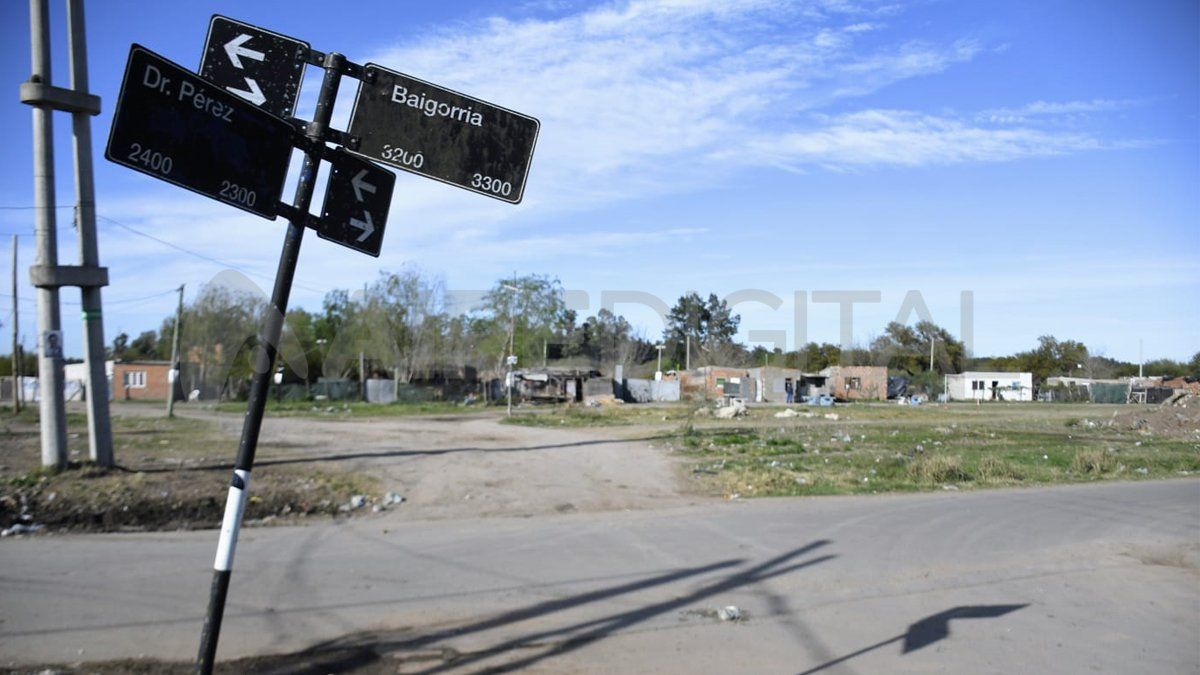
x=853, y=383
x=135, y=379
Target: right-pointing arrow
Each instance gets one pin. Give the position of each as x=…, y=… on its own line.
x=361, y=185
x=367, y=226
x=254, y=95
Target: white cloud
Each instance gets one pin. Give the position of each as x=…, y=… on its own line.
x=642, y=98
x=636, y=99
x=1052, y=109
x=901, y=138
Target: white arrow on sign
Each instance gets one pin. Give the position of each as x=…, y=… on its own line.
x=235, y=50
x=254, y=95
x=360, y=185
x=368, y=227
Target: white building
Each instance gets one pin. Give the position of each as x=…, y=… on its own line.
x=75, y=377
x=990, y=386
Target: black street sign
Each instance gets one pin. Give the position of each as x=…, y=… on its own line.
x=357, y=200
x=171, y=124
x=262, y=67
x=441, y=134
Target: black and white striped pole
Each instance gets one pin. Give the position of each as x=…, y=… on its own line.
x=235, y=503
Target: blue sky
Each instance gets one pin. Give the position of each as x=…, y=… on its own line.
x=1042, y=155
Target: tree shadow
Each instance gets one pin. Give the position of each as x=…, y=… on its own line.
x=383, y=454
x=927, y=631
x=349, y=653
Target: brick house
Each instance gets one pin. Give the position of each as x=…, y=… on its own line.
x=713, y=382
x=140, y=380
x=857, y=383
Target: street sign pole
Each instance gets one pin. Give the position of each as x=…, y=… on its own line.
x=235, y=503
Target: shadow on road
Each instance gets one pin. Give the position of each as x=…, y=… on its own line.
x=351, y=653
x=927, y=631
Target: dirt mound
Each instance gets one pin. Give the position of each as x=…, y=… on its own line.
x=88, y=498
x=1178, y=417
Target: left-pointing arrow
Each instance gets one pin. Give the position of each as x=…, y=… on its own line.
x=235, y=50
x=254, y=94
x=360, y=186
x=367, y=227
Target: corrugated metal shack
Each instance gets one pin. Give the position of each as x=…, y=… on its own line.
x=560, y=384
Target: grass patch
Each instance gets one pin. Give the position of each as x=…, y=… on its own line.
x=937, y=469
x=887, y=448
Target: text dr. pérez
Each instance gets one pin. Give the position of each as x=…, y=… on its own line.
x=154, y=79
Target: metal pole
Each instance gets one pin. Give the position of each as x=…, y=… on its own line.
x=50, y=366
x=264, y=359
x=508, y=382
x=99, y=425
x=1139, y=358
x=175, y=357
x=16, y=353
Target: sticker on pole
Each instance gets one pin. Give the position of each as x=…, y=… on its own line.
x=441, y=134
x=357, y=199
x=262, y=67
x=172, y=124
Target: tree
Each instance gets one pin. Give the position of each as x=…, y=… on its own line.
x=530, y=311
x=1051, y=357
x=220, y=329
x=709, y=325
x=402, y=314
x=605, y=339
x=144, y=346
x=908, y=349
x=119, y=345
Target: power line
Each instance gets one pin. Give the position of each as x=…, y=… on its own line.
x=195, y=254
x=144, y=297
x=122, y=301
x=153, y=238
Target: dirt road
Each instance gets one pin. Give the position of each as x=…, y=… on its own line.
x=469, y=465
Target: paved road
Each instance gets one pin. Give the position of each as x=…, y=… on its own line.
x=1080, y=579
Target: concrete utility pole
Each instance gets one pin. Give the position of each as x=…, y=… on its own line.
x=16, y=352
x=932, y=342
x=47, y=275
x=50, y=367
x=175, y=370
x=99, y=424
x=687, y=352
